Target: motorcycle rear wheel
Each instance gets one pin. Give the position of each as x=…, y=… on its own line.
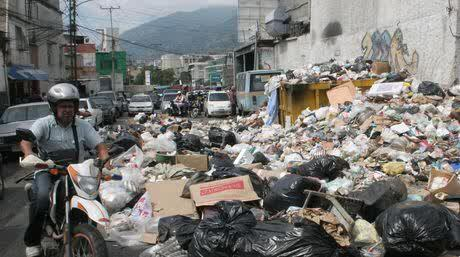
x=87, y=241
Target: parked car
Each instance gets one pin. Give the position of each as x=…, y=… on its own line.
x=140, y=103
x=250, y=89
x=218, y=104
x=106, y=105
x=118, y=105
x=166, y=101
x=19, y=116
x=96, y=119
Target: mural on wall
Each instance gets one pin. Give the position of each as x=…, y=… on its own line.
x=381, y=46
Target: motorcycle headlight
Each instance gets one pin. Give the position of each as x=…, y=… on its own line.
x=89, y=185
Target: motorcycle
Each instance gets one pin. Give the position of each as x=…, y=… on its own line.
x=173, y=110
x=196, y=105
x=70, y=227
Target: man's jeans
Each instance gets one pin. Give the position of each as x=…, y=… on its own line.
x=39, y=207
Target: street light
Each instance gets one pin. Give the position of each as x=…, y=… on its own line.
x=84, y=2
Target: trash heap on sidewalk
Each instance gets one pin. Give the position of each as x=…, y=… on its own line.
x=369, y=177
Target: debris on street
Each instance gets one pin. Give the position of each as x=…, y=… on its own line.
x=385, y=156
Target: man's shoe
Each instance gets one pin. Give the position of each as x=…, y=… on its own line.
x=33, y=251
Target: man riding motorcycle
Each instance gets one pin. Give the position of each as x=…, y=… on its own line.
x=179, y=101
x=62, y=138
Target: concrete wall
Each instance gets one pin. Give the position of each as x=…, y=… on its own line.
x=249, y=13
x=414, y=35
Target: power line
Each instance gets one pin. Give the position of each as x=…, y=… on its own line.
x=133, y=43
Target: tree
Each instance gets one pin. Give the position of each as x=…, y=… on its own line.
x=167, y=77
x=140, y=79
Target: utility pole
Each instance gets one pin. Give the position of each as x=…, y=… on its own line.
x=111, y=8
x=73, y=40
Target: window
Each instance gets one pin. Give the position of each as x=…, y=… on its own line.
x=140, y=99
x=240, y=82
x=218, y=97
x=21, y=41
x=258, y=81
x=14, y=114
x=83, y=104
x=38, y=111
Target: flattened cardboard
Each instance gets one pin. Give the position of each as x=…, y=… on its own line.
x=208, y=194
x=342, y=94
x=166, y=200
x=197, y=162
x=150, y=238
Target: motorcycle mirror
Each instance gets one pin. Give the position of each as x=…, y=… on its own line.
x=25, y=134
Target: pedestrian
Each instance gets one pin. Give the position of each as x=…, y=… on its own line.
x=232, y=97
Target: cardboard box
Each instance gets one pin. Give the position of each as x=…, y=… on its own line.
x=150, y=238
x=386, y=89
x=341, y=94
x=208, y=194
x=380, y=67
x=197, y=162
x=166, y=200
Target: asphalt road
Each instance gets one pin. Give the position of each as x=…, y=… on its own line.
x=14, y=217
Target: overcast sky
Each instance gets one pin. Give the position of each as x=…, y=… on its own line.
x=134, y=12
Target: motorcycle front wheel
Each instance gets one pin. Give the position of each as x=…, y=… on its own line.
x=87, y=241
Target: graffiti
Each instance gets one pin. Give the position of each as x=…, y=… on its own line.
x=381, y=46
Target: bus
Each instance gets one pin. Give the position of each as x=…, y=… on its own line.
x=250, y=88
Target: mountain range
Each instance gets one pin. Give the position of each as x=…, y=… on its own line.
x=207, y=30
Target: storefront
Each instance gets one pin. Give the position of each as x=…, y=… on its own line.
x=23, y=83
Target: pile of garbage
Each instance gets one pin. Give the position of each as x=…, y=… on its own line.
x=371, y=177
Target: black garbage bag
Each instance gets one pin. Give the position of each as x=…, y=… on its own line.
x=190, y=142
x=280, y=239
x=216, y=236
x=430, y=88
x=259, y=185
x=221, y=160
x=396, y=77
x=289, y=191
x=324, y=167
x=379, y=196
x=143, y=119
x=126, y=140
x=241, y=128
x=177, y=226
x=260, y=158
x=234, y=232
x=186, y=125
x=419, y=229
x=137, y=128
x=221, y=138
x=197, y=178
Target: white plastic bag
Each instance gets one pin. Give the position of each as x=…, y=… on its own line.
x=147, y=137
x=132, y=158
x=132, y=179
x=114, y=195
x=142, y=212
x=163, y=143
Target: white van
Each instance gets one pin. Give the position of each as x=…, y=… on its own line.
x=218, y=104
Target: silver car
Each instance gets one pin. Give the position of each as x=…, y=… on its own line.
x=140, y=103
x=19, y=116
